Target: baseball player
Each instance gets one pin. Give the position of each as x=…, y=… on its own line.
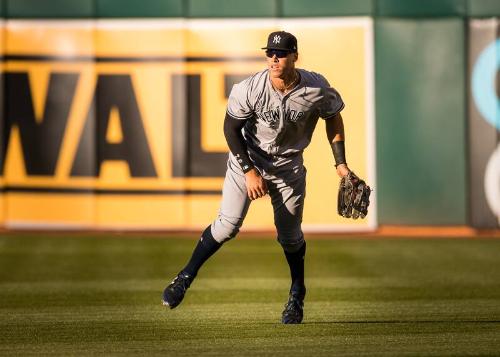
x=269, y=122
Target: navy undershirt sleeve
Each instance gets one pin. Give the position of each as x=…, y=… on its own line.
x=236, y=141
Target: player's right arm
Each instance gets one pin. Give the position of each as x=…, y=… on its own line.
x=256, y=185
x=239, y=110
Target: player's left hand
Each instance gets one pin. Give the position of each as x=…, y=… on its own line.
x=353, y=197
x=342, y=170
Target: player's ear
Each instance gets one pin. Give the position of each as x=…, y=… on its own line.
x=295, y=56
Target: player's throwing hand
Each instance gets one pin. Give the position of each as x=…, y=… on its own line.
x=256, y=185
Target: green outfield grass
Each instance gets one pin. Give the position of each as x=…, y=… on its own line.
x=90, y=295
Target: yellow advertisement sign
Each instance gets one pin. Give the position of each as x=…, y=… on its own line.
x=118, y=124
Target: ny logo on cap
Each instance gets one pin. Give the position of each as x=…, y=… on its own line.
x=276, y=39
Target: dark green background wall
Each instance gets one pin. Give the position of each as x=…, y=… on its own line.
x=420, y=84
x=246, y=8
x=421, y=142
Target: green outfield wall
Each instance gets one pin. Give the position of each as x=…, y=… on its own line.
x=244, y=8
x=421, y=98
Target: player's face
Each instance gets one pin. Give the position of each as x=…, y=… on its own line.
x=280, y=62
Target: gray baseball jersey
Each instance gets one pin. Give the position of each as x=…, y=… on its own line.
x=280, y=127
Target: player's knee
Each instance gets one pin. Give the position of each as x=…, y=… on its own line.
x=224, y=229
x=291, y=241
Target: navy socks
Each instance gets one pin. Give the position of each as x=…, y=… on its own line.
x=205, y=248
x=296, y=262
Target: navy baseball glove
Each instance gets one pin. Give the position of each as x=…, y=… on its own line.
x=354, y=197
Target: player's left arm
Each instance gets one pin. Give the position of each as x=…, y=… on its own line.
x=336, y=139
x=353, y=196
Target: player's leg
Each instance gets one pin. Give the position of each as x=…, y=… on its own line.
x=234, y=207
x=232, y=212
x=288, y=202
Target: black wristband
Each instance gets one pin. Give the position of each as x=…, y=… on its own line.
x=245, y=165
x=338, y=149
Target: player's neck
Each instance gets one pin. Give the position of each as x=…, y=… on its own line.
x=287, y=82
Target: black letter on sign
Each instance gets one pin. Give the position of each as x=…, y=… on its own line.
x=189, y=159
x=40, y=140
x=114, y=91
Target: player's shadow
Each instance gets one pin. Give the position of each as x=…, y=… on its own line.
x=334, y=322
x=391, y=322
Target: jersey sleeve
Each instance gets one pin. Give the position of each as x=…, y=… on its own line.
x=238, y=104
x=332, y=102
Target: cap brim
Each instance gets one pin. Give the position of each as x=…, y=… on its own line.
x=277, y=48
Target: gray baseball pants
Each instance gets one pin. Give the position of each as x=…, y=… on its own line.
x=287, y=191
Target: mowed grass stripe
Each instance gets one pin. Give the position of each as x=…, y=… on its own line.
x=480, y=310
x=89, y=298
x=204, y=283
x=98, y=295
x=378, y=340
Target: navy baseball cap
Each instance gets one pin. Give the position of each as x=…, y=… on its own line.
x=281, y=40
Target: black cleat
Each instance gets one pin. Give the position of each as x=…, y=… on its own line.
x=294, y=310
x=174, y=293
